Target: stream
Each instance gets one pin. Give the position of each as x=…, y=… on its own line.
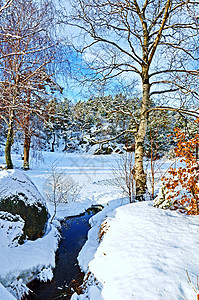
x=67, y=274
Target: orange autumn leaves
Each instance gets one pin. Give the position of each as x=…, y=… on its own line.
x=184, y=178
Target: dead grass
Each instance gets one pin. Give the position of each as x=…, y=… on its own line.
x=103, y=230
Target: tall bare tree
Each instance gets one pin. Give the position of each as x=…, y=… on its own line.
x=27, y=49
x=155, y=40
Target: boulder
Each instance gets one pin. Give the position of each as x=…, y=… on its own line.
x=104, y=149
x=19, y=196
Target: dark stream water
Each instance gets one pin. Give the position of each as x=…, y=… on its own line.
x=67, y=274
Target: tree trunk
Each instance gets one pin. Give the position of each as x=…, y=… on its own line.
x=26, y=150
x=53, y=143
x=27, y=136
x=9, y=142
x=139, y=174
x=55, y=212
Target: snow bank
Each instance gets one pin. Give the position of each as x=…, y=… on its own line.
x=143, y=255
x=28, y=261
x=88, y=251
x=33, y=259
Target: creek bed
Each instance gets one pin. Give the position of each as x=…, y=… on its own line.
x=67, y=274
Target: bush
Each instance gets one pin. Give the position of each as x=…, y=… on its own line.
x=182, y=184
x=60, y=188
x=123, y=175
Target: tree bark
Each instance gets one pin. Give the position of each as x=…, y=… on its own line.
x=139, y=174
x=9, y=142
x=27, y=135
x=26, y=150
x=53, y=143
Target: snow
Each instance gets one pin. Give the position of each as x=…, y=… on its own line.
x=27, y=261
x=143, y=253
x=11, y=229
x=15, y=182
x=37, y=258
x=4, y=294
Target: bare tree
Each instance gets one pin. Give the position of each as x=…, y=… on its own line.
x=155, y=40
x=27, y=48
x=60, y=188
x=123, y=175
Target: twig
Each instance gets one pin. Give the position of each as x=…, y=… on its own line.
x=191, y=284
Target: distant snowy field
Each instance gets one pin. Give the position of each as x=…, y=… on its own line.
x=143, y=254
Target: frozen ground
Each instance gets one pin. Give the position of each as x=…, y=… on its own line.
x=143, y=253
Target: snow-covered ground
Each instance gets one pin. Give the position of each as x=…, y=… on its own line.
x=38, y=257
x=143, y=254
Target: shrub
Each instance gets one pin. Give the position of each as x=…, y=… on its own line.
x=123, y=175
x=60, y=188
x=182, y=183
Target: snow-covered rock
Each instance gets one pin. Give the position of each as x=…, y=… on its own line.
x=19, y=195
x=15, y=182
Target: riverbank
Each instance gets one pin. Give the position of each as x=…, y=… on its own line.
x=140, y=252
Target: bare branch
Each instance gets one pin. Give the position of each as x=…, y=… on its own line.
x=180, y=110
x=6, y=5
